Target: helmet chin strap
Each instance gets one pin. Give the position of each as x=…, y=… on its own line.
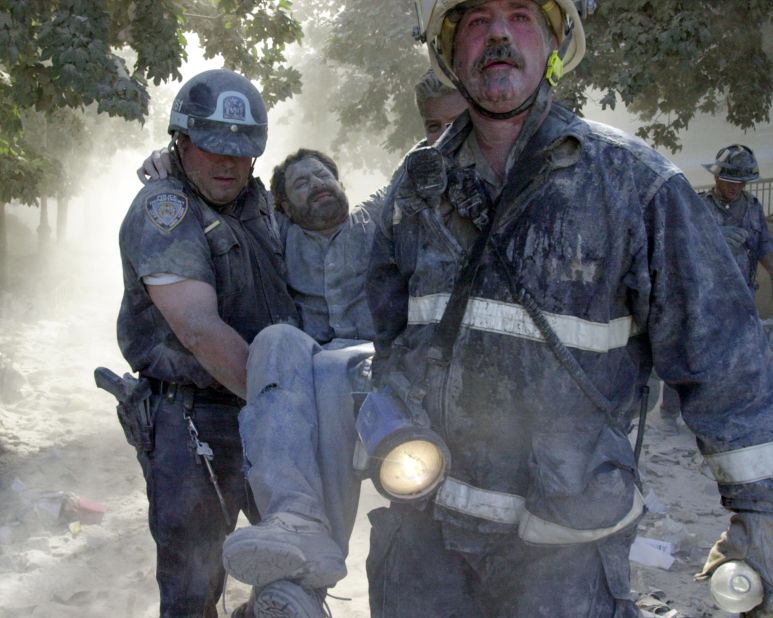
x=527, y=104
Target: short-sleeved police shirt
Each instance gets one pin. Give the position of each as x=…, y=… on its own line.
x=170, y=229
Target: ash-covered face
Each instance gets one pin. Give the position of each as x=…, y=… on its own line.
x=438, y=112
x=219, y=178
x=315, y=199
x=500, y=51
x=728, y=190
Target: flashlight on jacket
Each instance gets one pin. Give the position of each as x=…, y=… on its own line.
x=404, y=458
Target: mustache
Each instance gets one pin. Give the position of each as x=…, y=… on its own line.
x=500, y=52
x=324, y=190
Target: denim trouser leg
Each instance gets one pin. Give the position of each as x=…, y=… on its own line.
x=279, y=424
x=298, y=428
x=337, y=434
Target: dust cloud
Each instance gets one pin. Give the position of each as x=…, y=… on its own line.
x=59, y=437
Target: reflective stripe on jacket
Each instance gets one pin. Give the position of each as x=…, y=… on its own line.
x=629, y=268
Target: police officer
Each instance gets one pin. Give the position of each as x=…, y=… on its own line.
x=527, y=273
x=738, y=212
x=202, y=276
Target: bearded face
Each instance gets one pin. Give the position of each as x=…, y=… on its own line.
x=315, y=199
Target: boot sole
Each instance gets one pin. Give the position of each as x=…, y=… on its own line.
x=277, y=604
x=279, y=561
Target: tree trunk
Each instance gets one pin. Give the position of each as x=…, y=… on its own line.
x=44, y=230
x=3, y=250
x=61, y=218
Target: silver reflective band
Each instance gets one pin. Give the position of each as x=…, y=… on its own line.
x=507, y=508
x=535, y=530
x=513, y=320
x=490, y=505
x=744, y=465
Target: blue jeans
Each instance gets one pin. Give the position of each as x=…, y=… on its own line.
x=184, y=516
x=298, y=426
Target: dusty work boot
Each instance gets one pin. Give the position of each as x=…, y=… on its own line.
x=246, y=610
x=243, y=611
x=284, y=599
x=284, y=546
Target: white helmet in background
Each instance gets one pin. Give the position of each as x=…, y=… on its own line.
x=438, y=32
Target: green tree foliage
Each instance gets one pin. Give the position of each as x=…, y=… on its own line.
x=64, y=53
x=664, y=59
x=375, y=40
x=369, y=65
x=19, y=167
x=251, y=35
x=60, y=54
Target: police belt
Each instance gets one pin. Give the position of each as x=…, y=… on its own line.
x=203, y=396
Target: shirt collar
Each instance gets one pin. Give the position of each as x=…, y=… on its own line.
x=470, y=155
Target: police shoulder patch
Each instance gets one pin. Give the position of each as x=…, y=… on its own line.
x=166, y=210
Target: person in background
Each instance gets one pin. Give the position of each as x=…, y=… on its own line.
x=741, y=218
x=438, y=105
x=739, y=213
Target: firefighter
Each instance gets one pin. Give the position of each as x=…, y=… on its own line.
x=739, y=213
x=527, y=273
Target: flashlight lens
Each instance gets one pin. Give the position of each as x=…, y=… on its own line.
x=411, y=468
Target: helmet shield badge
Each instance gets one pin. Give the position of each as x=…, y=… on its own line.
x=222, y=113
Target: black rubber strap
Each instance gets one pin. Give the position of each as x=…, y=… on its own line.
x=521, y=174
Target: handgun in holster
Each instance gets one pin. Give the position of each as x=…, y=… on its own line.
x=134, y=409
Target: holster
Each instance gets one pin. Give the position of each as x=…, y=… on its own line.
x=138, y=430
x=134, y=409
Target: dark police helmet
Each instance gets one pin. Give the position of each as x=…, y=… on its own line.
x=735, y=163
x=223, y=113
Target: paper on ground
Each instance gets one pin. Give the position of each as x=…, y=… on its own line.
x=652, y=552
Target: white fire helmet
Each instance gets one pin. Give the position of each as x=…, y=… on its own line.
x=439, y=32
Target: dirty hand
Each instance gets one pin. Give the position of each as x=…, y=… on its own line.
x=157, y=166
x=735, y=236
x=749, y=538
